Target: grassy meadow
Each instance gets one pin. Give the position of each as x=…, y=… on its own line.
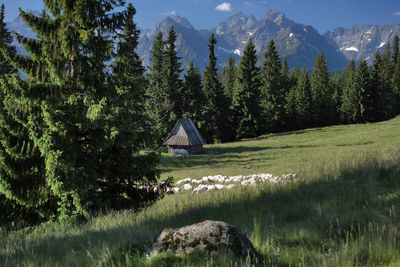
x=343, y=211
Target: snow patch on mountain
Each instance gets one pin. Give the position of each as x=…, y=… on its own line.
x=382, y=44
x=237, y=52
x=352, y=48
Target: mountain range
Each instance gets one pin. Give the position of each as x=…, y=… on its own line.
x=299, y=43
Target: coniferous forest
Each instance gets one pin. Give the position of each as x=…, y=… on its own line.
x=76, y=127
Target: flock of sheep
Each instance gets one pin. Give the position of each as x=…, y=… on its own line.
x=219, y=182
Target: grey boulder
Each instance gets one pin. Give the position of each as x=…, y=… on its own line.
x=208, y=236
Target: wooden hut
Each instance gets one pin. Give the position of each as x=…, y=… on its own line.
x=185, y=135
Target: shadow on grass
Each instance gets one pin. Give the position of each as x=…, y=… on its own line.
x=315, y=215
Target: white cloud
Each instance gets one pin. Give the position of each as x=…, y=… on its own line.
x=396, y=13
x=170, y=13
x=224, y=7
x=247, y=3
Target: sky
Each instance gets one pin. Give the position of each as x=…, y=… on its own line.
x=323, y=15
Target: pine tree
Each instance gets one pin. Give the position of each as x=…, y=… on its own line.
x=68, y=76
x=156, y=94
x=337, y=96
x=22, y=169
x=246, y=94
x=192, y=98
x=129, y=121
x=290, y=101
x=228, y=77
x=216, y=124
x=350, y=108
x=395, y=54
x=378, y=106
x=396, y=86
x=5, y=42
x=272, y=91
x=285, y=76
x=363, y=87
x=385, y=80
x=172, y=75
x=322, y=104
x=303, y=101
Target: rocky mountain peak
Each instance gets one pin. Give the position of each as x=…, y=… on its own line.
x=277, y=17
x=183, y=21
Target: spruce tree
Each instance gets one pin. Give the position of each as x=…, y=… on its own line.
x=272, y=91
x=395, y=54
x=385, y=80
x=245, y=102
x=172, y=75
x=337, y=96
x=22, y=169
x=130, y=128
x=363, y=87
x=156, y=94
x=396, y=86
x=350, y=108
x=322, y=104
x=228, y=77
x=216, y=125
x=192, y=97
x=378, y=106
x=303, y=101
x=290, y=100
x=68, y=77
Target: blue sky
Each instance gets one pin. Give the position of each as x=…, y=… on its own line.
x=206, y=14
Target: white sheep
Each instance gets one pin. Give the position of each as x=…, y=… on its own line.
x=186, y=180
x=200, y=188
x=187, y=187
x=219, y=186
x=194, y=181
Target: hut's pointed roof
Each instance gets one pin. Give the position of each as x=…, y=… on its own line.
x=185, y=133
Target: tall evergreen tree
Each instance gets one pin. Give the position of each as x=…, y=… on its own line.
x=68, y=78
x=385, y=80
x=337, y=96
x=272, y=91
x=22, y=179
x=246, y=94
x=22, y=169
x=396, y=86
x=363, y=87
x=129, y=121
x=378, y=106
x=228, y=77
x=172, y=75
x=322, y=104
x=216, y=125
x=303, y=101
x=192, y=96
x=395, y=55
x=156, y=94
x=350, y=108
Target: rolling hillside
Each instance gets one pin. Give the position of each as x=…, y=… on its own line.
x=344, y=210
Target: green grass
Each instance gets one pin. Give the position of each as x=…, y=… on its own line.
x=345, y=210
x=287, y=152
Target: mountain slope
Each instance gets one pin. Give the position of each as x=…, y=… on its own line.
x=299, y=43
x=362, y=41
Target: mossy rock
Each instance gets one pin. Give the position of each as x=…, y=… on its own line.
x=207, y=236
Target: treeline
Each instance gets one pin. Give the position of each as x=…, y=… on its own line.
x=247, y=100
